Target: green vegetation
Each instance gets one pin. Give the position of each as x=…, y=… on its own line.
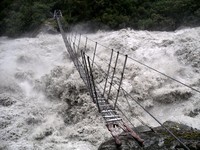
x=20, y=16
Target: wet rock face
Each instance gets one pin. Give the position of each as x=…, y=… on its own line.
x=6, y=101
x=159, y=139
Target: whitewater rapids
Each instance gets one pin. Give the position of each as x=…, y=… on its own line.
x=44, y=104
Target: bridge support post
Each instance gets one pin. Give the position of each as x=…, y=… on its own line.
x=93, y=83
x=120, y=83
x=114, y=129
x=133, y=134
x=108, y=71
x=113, y=75
x=111, y=128
x=87, y=75
x=95, y=49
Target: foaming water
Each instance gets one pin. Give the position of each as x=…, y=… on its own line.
x=44, y=104
x=172, y=53
x=29, y=119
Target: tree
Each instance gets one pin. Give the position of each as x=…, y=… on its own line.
x=20, y=16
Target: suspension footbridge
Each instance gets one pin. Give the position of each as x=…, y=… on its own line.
x=101, y=93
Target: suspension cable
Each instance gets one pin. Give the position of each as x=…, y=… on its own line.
x=145, y=108
x=172, y=134
x=186, y=85
x=137, y=117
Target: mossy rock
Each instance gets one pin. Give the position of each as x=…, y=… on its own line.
x=159, y=139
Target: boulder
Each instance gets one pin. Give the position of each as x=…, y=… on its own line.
x=158, y=139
